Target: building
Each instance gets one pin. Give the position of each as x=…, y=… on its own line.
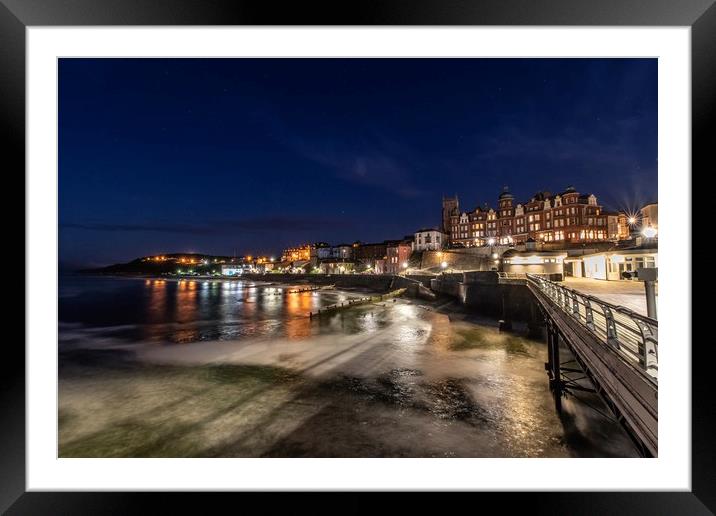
x=429, y=239
x=650, y=216
x=610, y=265
x=617, y=226
x=451, y=207
x=232, y=269
x=337, y=266
x=322, y=251
x=534, y=262
x=567, y=217
x=342, y=251
x=296, y=253
x=369, y=252
x=397, y=255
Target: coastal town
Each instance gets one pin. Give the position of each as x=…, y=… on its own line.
x=568, y=234
x=556, y=267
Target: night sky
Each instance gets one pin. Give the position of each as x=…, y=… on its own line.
x=229, y=156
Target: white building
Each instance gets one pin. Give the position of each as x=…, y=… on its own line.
x=232, y=269
x=429, y=240
x=611, y=264
x=342, y=251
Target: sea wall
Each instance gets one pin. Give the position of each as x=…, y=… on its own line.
x=458, y=259
x=482, y=291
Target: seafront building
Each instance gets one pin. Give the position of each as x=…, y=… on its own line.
x=567, y=233
x=565, y=218
x=429, y=239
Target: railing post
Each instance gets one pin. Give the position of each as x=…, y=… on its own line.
x=612, y=338
x=575, y=306
x=588, y=314
x=567, y=296
x=648, y=347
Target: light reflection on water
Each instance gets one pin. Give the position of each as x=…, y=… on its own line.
x=197, y=310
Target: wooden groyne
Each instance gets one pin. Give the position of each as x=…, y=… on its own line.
x=312, y=289
x=331, y=309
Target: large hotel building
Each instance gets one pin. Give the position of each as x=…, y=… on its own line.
x=568, y=217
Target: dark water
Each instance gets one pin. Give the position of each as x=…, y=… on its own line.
x=219, y=368
x=188, y=310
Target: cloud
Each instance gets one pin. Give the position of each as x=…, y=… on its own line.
x=255, y=225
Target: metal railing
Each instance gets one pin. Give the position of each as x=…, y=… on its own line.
x=633, y=336
x=511, y=275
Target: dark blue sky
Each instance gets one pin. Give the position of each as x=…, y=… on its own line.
x=251, y=155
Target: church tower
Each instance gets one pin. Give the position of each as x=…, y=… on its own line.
x=451, y=206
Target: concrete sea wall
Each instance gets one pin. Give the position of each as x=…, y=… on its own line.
x=482, y=291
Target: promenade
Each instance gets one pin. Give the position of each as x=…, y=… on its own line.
x=629, y=294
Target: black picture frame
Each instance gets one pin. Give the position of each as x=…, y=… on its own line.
x=17, y=15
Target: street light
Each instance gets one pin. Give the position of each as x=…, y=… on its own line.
x=491, y=242
x=649, y=232
x=443, y=265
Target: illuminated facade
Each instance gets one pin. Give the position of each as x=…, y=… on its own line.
x=293, y=254
x=650, y=216
x=568, y=217
x=397, y=254
x=611, y=265
x=533, y=262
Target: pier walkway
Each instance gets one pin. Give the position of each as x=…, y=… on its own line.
x=617, y=348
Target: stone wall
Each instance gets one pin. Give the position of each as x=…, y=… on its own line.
x=477, y=259
x=511, y=302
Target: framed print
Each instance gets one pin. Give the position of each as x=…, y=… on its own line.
x=410, y=248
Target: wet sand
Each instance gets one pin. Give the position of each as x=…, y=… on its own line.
x=395, y=379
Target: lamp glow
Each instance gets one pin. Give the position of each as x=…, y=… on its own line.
x=649, y=232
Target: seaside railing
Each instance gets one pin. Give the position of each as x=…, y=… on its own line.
x=633, y=336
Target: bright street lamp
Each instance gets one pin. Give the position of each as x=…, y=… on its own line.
x=443, y=265
x=405, y=265
x=649, y=232
x=491, y=241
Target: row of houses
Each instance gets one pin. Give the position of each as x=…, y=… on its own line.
x=387, y=257
x=565, y=218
